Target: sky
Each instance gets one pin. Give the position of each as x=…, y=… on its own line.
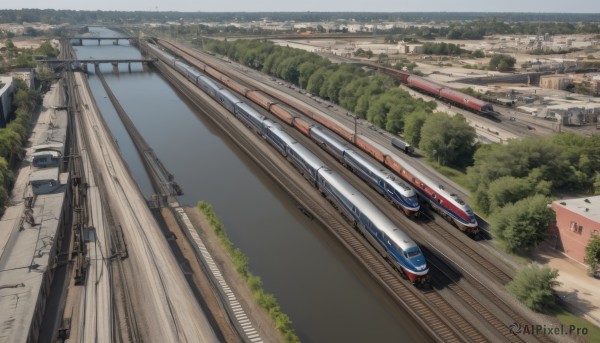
x=536, y=6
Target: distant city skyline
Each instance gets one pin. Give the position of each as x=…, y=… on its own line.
x=548, y=6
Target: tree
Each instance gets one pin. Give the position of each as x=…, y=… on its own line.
x=523, y=224
x=413, y=123
x=506, y=190
x=502, y=62
x=449, y=140
x=592, y=255
x=534, y=287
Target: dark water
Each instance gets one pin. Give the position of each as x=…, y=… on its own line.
x=316, y=281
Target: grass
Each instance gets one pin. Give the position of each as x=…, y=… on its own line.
x=568, y=318
x=451, y=173
x=267, y=301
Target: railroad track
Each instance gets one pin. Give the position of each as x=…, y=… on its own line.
x=491, y=269
x=126, y=330
x=406, y=294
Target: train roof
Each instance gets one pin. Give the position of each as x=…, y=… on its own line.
x=466, y=98
x=366, y=207
x=441, y=189
x=229, y=95
x=380, y=172
x=336, y=143
x=207, y=80
x=250, y=110
x=306, y=155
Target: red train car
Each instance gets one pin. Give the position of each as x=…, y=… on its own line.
x=334, y=126
x=465, y=100
x=425, y=85
x=260, y=99
x=283, y=113
x=238, y=88
x=302, y=126
x=370, y=149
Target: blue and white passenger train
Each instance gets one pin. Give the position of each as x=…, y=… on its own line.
x=393, y=188
x=402, y=252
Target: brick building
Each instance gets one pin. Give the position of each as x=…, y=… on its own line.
x=577, y=221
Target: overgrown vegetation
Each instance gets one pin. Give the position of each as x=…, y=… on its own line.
x=14, y=135
x=516, y=180
x=442, y=49
x=240, y=261
x=448, y=140
x=502, y=62
x=534, y=287
x=592, y=255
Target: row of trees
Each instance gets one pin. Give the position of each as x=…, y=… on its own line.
x=14, y=135
x=442, y=49
x=374, y=97
x=51, y=16
x=513, y=182
x=479, y=28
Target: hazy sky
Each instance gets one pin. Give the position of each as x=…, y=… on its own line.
x=556, y=6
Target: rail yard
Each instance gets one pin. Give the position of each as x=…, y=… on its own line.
x=452, y=283
x=111, y=263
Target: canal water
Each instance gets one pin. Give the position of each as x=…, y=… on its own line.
x=328, y=296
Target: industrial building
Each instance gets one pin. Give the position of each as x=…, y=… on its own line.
x=32, y=234
x=577, y=221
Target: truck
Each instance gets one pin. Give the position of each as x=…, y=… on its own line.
x=402, y=145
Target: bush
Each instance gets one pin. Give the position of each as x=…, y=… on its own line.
x=267, y=301
x=592, y=255
x=534, y=287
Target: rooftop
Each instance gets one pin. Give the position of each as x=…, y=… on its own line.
x=24, y=259
x=588, y=207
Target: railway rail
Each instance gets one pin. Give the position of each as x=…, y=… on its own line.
x=404, y=293
x=500, y=275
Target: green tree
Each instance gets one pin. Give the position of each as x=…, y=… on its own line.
x=502, y=62
x=506, y=190
x=523, y=224
x=534, y=286
x=592, y=254
x=316, y=80
x=413, y=123
x=449, y=140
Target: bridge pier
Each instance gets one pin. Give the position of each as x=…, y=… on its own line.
x=115, y=67
x=129, y=66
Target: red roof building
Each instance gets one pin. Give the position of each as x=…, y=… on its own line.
x=577, y=221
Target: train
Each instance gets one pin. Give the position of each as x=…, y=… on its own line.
x=388, y=239
x=424, y=85
x=448, y=204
